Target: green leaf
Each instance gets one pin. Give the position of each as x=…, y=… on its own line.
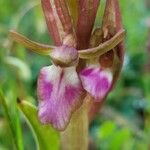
x=19, y=66
x=47, y=138
x=13, y=122
x=106, y=130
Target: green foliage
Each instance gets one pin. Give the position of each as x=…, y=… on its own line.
x=14, y=123
x=47, y=137
x=113, y=137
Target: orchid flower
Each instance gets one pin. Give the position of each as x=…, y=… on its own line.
x=83, y=62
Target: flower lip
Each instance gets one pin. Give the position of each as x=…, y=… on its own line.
x=60, y=93
x=64, y=56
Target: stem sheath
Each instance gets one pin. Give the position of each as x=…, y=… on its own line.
x=75, y=137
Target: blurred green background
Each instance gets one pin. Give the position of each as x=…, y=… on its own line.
x=124, y=121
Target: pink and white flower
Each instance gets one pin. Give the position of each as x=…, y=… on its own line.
x=83, y=62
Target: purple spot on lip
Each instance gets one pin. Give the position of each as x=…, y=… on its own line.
x=71, y=93
x=102, y=84
x=96, y=81
x=47, y=89
x=105, y=83
x=44, y=87
x=86, y=72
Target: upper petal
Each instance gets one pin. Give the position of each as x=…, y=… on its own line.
x=58, y=20
x=86, y=17
x=96, y=81
x=60, y=93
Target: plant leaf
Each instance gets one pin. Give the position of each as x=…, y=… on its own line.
x=46, y=137
x=19, y=66
x=13, y=122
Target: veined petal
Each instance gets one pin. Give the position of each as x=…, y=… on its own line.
x=51, y=21
x=86, y=18
x=112, y=23
x=58, y=20
x=60, y=93
x=63, y=14
x=96, y=81
x=34, y=46
x=119, y=25
x=73, y=9
x=119, y=49
x=108, y=23
x=104, y=47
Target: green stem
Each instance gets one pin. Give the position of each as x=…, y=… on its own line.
x=75, y=137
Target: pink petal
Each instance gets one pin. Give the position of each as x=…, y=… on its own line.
x=96, y=81
x=60, y=93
